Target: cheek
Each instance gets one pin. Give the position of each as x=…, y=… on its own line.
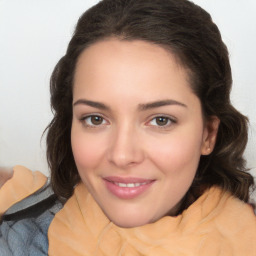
x=179, y=153
x=86, y=150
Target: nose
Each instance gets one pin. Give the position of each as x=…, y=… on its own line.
x=125, y=149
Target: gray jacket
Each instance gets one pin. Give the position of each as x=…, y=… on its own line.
x=24, y=227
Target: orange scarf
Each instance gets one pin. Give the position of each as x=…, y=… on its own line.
x=217, y=224
x=22, y=184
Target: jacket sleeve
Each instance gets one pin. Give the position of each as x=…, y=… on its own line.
x=24, y=226
x=22, y=184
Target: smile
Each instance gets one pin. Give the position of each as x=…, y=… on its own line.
x=127, y=188
x=129, y=185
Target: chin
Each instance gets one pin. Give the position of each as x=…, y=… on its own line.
x=130, y=222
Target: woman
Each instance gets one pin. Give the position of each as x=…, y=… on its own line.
x=145, y=148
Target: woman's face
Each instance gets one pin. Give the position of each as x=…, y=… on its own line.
x=137, y=131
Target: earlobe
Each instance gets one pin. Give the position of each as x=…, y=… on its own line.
x=210, y=135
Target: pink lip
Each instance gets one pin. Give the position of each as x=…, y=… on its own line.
x=127, y=192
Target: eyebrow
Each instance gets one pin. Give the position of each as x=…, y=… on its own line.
x=90, y=103
x=161, y=103
x=142, y=107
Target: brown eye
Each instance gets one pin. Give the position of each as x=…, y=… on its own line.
x=161, y=121
x=96, y=120
x=93, y=120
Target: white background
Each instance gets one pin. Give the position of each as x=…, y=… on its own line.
x=34, y=36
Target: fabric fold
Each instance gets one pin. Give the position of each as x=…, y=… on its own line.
x=208, y=227
x=23, y=183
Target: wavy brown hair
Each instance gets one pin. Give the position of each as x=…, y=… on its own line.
x=187, y=31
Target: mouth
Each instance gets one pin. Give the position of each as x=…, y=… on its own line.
x=130, y=185
x=127, y=188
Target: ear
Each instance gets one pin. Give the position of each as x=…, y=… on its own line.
x=210, y=135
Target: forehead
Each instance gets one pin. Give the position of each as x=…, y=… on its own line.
x=134, y=50
x=137, y=66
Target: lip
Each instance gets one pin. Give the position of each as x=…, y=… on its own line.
x=123, y=192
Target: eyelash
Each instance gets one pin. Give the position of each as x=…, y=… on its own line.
x=170, y=121
x=84, y=120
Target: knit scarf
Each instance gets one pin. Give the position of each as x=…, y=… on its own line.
x=217, y=224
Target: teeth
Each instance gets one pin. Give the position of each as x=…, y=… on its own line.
x=130, y=185
x=122, y=185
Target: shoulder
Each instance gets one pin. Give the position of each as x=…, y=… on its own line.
x=25, y=224
x=227, y=223
x=23, y=183
x=223, y=206
x=34, y=205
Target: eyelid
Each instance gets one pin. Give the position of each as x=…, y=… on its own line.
x=171, y=119
x=84, y=117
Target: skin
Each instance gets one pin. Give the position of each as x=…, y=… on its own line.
x=116, y=131
x=5, y=174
